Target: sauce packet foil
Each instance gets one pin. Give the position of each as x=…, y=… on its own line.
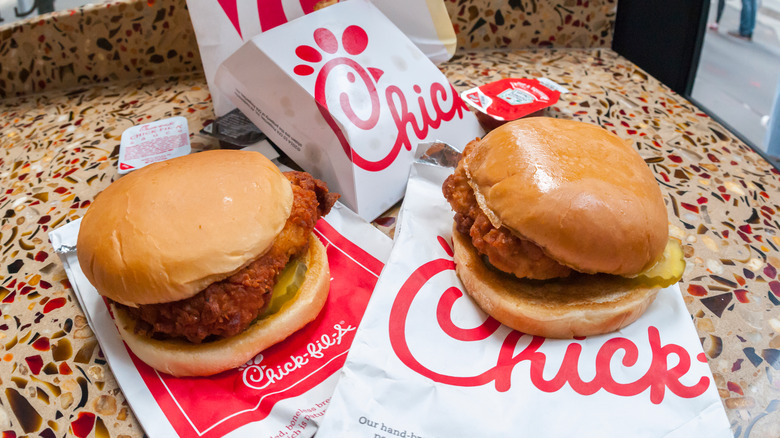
x=149, y=143
x=427, y=362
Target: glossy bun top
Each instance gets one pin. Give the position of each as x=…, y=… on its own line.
x=581, y=193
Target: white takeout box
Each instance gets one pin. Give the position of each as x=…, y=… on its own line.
x=348, y=97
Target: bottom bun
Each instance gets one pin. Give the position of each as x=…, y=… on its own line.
x=579, y=305
x=181, y=358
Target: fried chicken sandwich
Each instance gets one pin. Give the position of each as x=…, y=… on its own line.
x=207, y=259
x=560, y=228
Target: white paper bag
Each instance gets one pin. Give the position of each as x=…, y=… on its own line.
x=427, y=362
x=222, y=26
x=348, y=97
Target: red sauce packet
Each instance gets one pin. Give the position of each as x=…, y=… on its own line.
x=509, y=99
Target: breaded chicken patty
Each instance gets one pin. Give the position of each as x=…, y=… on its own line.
x=503, y=249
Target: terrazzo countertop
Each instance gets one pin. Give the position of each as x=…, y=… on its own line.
x=59, y=149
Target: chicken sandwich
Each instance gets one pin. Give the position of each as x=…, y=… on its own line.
x=207, y=259
x=560, y=228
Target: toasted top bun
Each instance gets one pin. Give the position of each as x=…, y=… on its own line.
x=181, y=358
x=166, y=231
x=579, y=192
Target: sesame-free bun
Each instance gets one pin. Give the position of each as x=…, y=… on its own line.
x=144, y=241
x=182, y=358
x=579, y=192
x=580, y=305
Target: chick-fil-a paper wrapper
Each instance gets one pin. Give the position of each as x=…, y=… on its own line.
x=427, y=362
x=284, y=390
x=347, y=96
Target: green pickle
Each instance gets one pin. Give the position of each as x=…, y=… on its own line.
x=667, y=270
x=289, y=281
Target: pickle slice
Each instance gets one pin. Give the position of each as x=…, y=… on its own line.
x=668, y=269
x=286, y=288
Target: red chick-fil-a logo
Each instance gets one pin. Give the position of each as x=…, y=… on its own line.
x=354, y=41
x=658, y=377
x=258, y=375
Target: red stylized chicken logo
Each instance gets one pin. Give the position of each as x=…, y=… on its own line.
x=354, y=41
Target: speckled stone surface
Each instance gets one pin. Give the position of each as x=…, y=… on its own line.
x=59, y=149
x=521, y=24
x=98, y=43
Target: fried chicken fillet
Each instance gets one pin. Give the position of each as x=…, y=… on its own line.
x=503, y=249
x=226, y=308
